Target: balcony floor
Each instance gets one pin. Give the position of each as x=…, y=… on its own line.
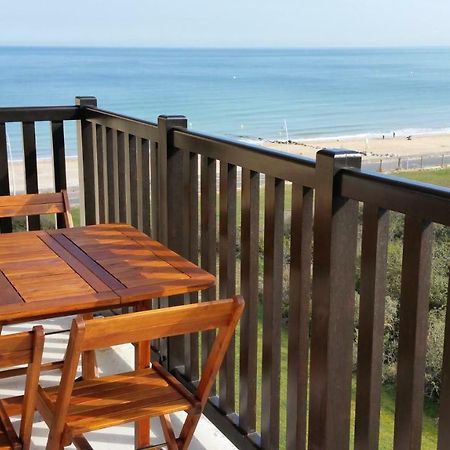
x=112, y=360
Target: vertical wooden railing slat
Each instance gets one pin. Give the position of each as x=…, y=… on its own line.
x=145, y=186
x=333, y=303
x=413, y=329
x=444, y=394
x=249, y=290
x=299, y=316
x=59, y=163
x=174, y=217
x=133, y=180
x=30, y=160
x=154, y=190
x=208, y=239
x=124, y=176
x=192, y=363
x=112, y=175
x=139, y=181
x=100, y=139
x=86, y=165
x=273, y=283
x=375, y=237
x=227, y=275
x=5, y=223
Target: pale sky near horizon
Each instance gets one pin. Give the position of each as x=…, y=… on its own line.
x=228, y=23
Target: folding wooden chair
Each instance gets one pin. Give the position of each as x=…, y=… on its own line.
x=17, y=349
x=77, y=407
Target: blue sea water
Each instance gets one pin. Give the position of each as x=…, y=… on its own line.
x=302, y=93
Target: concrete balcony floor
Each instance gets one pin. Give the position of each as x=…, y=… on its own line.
x=111, y=360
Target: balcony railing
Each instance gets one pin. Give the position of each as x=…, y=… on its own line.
x=273, y=226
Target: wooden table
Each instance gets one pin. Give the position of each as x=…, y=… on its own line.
x=60, y=272
x=69, y=271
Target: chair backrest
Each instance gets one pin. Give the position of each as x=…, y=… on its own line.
x=144, y=326
x=36, y=204
x=16, y=349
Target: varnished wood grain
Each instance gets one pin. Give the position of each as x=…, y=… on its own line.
x=76, y=270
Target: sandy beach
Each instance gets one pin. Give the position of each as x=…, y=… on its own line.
x=389, y=147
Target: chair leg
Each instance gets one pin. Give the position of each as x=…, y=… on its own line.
x=169, y=435
x=187, y=432
x=89, y=367
x=81, y=443
x=142, y=426
x=141, y=361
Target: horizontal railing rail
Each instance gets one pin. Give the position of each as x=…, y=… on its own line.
x=259, y=159
x=40, y=113
x=137, y=127
x=423, y=200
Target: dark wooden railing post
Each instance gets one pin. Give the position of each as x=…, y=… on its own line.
x=173, y=214
x=333, y=298
x=86, y=165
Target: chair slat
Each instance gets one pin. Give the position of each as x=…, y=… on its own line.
x=30, y=199
x=164, y=322
x=413, y=328
x=25, y=210
x=36, y=204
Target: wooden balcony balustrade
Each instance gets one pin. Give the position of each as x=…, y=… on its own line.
x=223, y=204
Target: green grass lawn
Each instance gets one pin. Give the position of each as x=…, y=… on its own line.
x=387, y=414
x=440, y=177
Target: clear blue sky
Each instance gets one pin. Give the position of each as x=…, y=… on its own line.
x=226, y=23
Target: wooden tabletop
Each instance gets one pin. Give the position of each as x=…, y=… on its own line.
x=67, y=271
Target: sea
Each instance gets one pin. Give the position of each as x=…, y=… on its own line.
x=250, y=94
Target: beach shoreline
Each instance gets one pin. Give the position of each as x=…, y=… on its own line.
x=373, y=149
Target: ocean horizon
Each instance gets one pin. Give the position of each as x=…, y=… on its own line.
x=251, y=94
